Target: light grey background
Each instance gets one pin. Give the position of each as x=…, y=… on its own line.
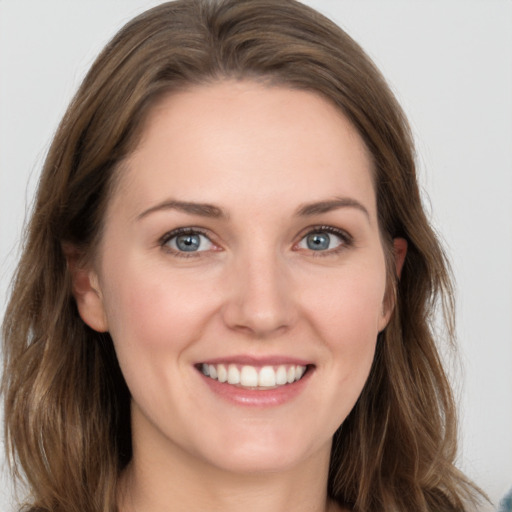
x=449, y=62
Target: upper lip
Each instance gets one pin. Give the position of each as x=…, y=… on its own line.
x=257, y=360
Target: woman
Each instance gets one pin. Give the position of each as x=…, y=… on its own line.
x=228, y=282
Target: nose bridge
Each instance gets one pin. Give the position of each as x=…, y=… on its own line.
x=260, y=296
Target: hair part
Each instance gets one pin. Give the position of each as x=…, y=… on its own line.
x=67, y=406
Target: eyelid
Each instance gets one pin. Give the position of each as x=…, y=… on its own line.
x=182, y=231
x=347, y=239
x=167, y=237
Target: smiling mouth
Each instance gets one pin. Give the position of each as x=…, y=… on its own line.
x=253, y=377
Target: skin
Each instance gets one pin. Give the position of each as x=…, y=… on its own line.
x=259, y=154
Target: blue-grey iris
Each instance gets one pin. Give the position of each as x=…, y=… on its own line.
x=318, y=241
x=188, y=243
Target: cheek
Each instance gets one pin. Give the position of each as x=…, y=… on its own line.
x=153, y=320
x=153, y=314
x=349, y=302
x=352, y=343
x=347, y=313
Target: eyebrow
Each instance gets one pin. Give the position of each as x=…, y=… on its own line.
x=212, y=211
x=192, y=208
x=319, y=207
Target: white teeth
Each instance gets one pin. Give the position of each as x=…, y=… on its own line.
x=249, y=376
x=233, y=374
x=267, y=377
x=281, y=377
x=252, y=376
x=222, y=373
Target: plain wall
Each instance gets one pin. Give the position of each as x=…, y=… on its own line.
x=450, y=64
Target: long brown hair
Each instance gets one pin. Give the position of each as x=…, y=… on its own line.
x=67, y=407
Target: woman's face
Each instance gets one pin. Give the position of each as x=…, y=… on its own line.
x=241, y=250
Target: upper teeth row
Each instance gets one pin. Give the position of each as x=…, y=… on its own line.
x=250, y=376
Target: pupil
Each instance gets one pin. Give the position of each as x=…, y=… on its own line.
x=318, y=242
x=187, y=242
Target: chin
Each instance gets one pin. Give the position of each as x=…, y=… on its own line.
x=266, y=453
x=261, y=462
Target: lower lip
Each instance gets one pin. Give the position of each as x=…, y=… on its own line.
x=258, y=397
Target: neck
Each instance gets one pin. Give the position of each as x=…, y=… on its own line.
x=180, y=484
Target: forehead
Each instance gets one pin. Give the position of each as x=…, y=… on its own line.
x=250, y=139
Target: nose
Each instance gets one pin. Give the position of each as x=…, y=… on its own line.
x=260, y=298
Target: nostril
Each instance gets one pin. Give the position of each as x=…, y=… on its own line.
x=258, y=320
x=259, y=298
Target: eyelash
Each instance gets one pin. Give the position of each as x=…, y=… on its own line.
x=346, y=238
x=164, y=240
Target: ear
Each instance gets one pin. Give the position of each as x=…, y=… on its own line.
x=399, y=250
x=86, y=290
x=399, y=253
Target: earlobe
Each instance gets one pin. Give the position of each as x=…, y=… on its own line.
x=86, y=290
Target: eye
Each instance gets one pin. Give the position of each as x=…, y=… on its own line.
x=187, y=241
x=324, y=239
